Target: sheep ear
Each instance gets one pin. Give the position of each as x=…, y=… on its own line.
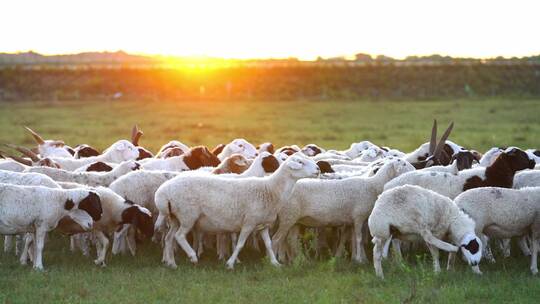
x=293, y=164
x=442, y=142
x=433, y=141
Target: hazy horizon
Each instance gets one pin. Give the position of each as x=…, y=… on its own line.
x=243, y=29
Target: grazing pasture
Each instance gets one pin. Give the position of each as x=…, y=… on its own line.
x=480, y=124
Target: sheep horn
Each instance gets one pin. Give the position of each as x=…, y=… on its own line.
x=136, y=135
x=433, y=141
x=37, y=138
x=21, y=160
x=442, y=142
x=33, y=156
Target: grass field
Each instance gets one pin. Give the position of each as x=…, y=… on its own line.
x=404, y=125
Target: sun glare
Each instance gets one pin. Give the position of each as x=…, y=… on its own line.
x=244, y=29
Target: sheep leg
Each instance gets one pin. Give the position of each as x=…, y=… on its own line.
x=279, y=239
x=451, y=260
x=435, y=255
x=180, y=236
x=268, y=244
x=524, y=246
x=199, y=235
x=39, y=243
x=360, y=256
x=255, y=241
x=168, y=248
x=119, y=240
x=291, y=247
x=221, y=241
x=505, y=247
x=28, y=239
x=534, y=253
x=344, y=234
x=431, y=239
x=244, y=234
x=487, y=253
x=8, y=243
x=396, y=250
x=104, y=245
x=234, y=240
x=377, y=256
x=18, y=242
x=131, y=242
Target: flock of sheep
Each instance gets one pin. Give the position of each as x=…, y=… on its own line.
x=237, y=195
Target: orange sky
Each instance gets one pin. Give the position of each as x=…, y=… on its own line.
x=278, y=28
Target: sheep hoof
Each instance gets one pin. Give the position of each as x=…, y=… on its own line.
x=194, y=259
x=476, y=270
x=230, y=266
x=171, y=265
x=534, y=271
x=99, y=263
x=276, y=264
x=38, y=268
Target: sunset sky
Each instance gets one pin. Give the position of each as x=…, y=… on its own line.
x=278, y=28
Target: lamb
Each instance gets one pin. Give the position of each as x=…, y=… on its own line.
x=38, y=209
x=25, y=179
x=238, y=146
x=505, y=213
x=432, y=153
x=264, y=147
x=312, y=150
x=528, y=178
x=535, y=154
x=50, y=148
x=235, y=163
x=171, y=145
x=320, y=203
x=19, y=164
x=490, y=156
x=140, y=187
x=500, y=173
x=116, y=212
x=196, y=158
x=84, y=150
x=220, y=204
x=28, y=179
x=88, y=178
x=408, y=212
x=136, y=135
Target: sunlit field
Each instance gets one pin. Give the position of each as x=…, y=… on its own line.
x=479, y=124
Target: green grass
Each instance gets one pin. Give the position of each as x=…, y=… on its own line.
x=141, y=279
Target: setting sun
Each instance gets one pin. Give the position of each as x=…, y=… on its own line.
x=278, y=29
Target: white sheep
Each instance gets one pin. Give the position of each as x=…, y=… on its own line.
x=37, y=209
x=195, y=158
x=409, y=212
x=320, y=203
x=170, y=145
x=28, y=179
x=500, y=173
x=88, y=178
x=118, y=152
x=490, y=156
x=220, y=204
x=505, y=213
x=527, y=178
x=24, y=179
x=117, y=211
x=50, y=148
x=238, y=146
